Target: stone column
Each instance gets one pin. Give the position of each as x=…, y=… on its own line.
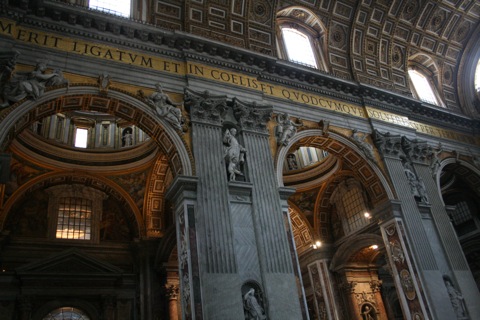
x=348, y=292
x=376, y=285
x=183, y=194
x=275, y=255
x=243, y=251
x=172, y=295
x=322, y=282
x=421, y=222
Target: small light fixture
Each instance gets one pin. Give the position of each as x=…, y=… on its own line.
x=374, y=247
x=317, y=244
x=367, y=215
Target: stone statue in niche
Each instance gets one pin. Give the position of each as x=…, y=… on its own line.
x=285, y=129
x=166, y=108
x=253, y=310
x=31, y=84
x=417, y=186
x=234, y=154
x=368, y=312
x=292, y=161
x=366, y=148
x=127, y=137
x=456, y=299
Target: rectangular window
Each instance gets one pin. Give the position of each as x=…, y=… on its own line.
x=354, y=209
x=74, y=218
x=81, y=137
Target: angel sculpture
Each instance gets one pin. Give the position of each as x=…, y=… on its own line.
x=234, y=153
x=32, y=84
x=286, y=129
x=166, y=108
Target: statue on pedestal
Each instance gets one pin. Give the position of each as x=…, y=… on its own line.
x=234, y=153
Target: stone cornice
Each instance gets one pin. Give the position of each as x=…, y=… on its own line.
x=82, y=22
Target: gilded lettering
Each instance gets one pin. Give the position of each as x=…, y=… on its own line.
x=21, y=35
x=7, y=28
x=108, y=55
x=95, y=50
x=147, y=62
x=33, y=37
x=133, y=57
x=197, y=70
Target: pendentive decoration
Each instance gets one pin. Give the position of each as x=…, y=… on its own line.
x=16, y=86
x=165, y=108
x=286, y=128
x=360, y=141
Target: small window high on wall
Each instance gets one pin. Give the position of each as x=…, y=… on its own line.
x=301, y=37
x=117, y=7
x=422, y=87
x=299, y=48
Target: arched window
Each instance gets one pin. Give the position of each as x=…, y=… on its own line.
x=422, y=87
x=117, y=7
x=425, y=79
x=301, y=37
x=350, y=201
x=66, y=313
x=299, y=48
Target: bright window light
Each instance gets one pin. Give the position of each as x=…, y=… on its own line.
x=422, y=87
x=299, y=48
x=118, y=7
x=81, y=136
x=477, y=77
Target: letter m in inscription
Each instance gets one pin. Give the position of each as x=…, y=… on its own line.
x=6, y=28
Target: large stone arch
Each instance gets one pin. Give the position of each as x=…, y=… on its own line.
x=353, y=246
x=469, y=171
x=88, y=98
x=370, y=173
x=96, y=182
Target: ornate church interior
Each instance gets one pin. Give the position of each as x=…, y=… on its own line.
x=239, y=159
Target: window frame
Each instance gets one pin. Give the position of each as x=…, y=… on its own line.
x=427, y=74
x=56, y=193
x=317, y=42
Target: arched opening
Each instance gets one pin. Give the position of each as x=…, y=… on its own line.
x=459, y=183
x=333, y=195
x=90, y=214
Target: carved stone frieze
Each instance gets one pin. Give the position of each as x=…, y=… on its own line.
x=252, y=116
x=204, y=107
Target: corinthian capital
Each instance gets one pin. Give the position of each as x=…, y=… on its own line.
x=204, y=107
x=251, y=116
